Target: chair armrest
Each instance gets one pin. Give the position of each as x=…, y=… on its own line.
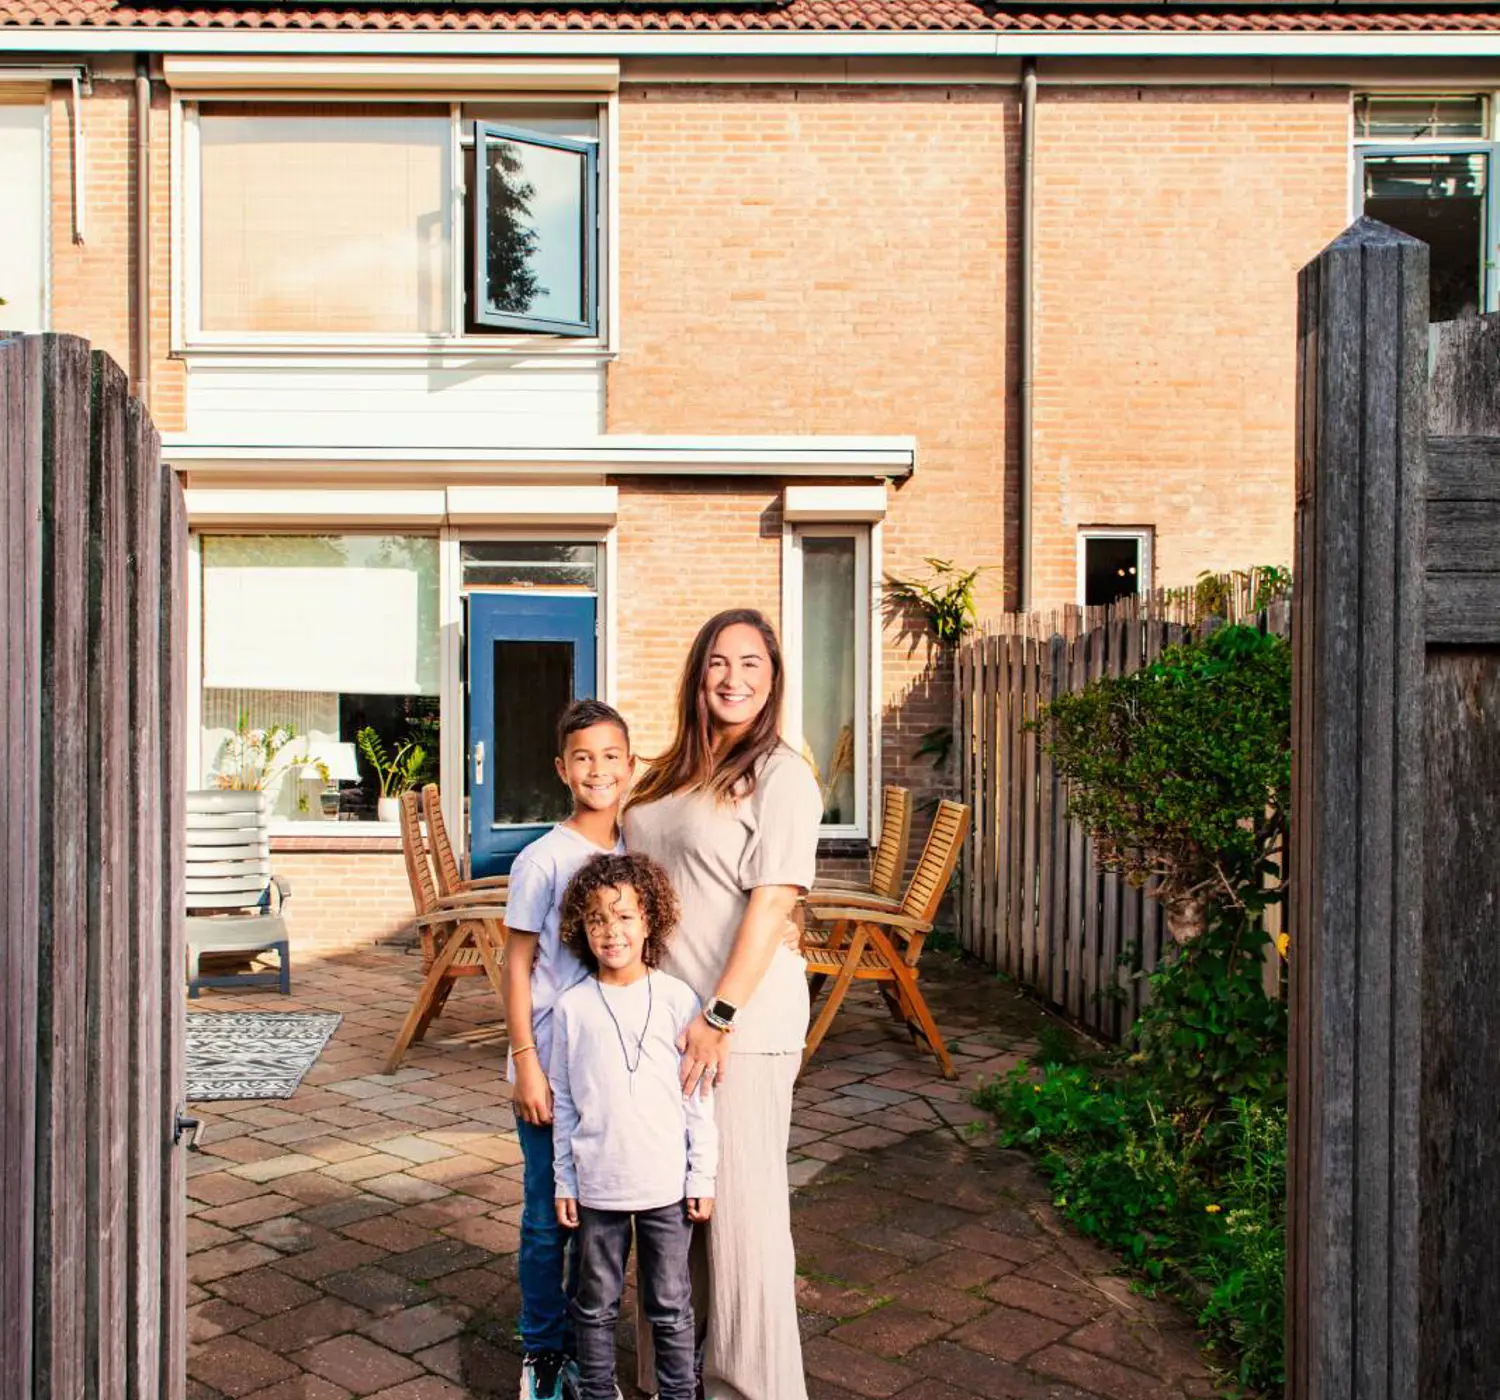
x=479, y=912
x=883, y=918
x=489, y=882
x=283, y=889
x=859, y=897
x=462, y=898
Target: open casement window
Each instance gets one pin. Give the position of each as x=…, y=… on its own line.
x=535, y=232
x=1113, y=564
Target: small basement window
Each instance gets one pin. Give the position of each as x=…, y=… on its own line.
x=1113, y=564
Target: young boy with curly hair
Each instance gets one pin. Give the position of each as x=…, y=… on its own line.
x=594, y=762
x=629, y=1149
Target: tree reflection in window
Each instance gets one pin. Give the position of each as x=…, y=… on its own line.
x=512, y=236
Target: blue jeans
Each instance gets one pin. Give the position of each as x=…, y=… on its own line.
x=546, y=1267
x=662, y=1237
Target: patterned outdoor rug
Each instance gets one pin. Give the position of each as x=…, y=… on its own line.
x=260, y=1055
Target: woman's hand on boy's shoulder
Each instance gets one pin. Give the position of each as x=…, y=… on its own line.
x=699, y=1208
x=567, y=1212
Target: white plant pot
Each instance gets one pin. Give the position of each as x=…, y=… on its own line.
x=388, y=809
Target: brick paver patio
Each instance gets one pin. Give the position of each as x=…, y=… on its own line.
x=358, y=1239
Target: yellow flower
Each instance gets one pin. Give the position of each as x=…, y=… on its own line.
x=1283, y=942
x=1213, y=1210
x=1036, y=1088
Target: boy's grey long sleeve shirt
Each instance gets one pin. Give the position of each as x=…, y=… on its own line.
x=623, y=1140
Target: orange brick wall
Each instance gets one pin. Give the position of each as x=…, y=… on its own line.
x=821, y=260
x=93, y=283
x=1170, y=227
x=343, y=900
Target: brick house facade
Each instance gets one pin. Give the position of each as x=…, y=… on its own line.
x=805, y=372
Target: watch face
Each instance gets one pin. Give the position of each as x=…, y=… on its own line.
x=723, y=1010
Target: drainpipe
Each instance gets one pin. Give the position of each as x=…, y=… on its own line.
x=143, y=230
x=1028, y=327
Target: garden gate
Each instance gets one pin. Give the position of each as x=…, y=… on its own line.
x=1393, y=1231
x=93, y=537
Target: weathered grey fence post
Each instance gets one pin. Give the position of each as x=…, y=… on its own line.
x=1460, y=1162
x=1356, y=857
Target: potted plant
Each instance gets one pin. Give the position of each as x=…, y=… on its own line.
x=396, y=773
x=253, y=761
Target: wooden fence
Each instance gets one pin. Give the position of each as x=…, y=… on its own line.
x=92, y=1214
x=1033, y=903
x=1394, y=1154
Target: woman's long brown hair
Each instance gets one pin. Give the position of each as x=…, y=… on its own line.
x=689, y=761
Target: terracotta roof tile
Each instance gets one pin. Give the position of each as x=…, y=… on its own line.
x=807, y=15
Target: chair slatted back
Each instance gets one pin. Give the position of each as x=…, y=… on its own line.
x=930, y=879
x=445, y=863
x=424, y=893
x=228, y=865
x=889, y=862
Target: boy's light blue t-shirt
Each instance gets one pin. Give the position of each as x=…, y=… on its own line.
x=538, y=880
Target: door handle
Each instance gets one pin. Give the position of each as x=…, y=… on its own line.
x=479, y=764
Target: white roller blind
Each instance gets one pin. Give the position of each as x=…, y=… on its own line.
x=23, y=212
x=353, y=614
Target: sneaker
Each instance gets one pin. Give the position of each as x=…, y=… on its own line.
x=572, y=1382
x=542, y=1375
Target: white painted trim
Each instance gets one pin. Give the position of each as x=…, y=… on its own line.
x=629, y=455
x=845, y=504
x=452, y=758
x=865, y=646
x=610, y=610
x=177, y=229
x=213, y=506
x=1145, y=534
x=1135, y=44
x=876, y=785
x=194, y=718
x=533, y=505
x=390, y=74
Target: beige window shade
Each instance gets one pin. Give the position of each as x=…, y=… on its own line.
x=325, y=220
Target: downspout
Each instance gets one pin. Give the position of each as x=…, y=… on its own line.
x=1028, y=329
x=143, y=230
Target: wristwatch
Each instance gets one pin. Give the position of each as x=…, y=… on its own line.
x=720, y=1014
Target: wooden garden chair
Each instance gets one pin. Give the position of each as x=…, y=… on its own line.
x=444, y=862
x=884, y=945
x=462, y=936
x=887, y=864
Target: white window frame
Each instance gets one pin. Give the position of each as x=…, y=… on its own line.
x=42, y=99
x=867, y=546
x=188, y=336
x=1143, y=534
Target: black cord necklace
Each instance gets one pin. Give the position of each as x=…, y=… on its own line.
x=640, y=1044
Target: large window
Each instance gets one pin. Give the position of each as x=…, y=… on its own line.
x=23, y=214
x=1426, y=166
x=390, y=221
x=829, y=625
x=319, y=652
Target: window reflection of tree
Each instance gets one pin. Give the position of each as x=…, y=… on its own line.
x=512, y=240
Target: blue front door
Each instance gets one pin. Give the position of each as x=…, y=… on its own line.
x=529, y=657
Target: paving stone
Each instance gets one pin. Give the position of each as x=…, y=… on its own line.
x=375, y=1290
x=973, y=1373
x=203, y=1235
x=357, y=1169
x=414, y=1149
x=388, y=1233
x=339, y=1215
x=218, y=1188
x=301, y=1327
x=228, y=1259
x=337, y=1257
x=414, y=1329
x=1101, y=1377
x=1009, y=1333
x=952, y=1305
x=1008, y=1247
x=248, y=1212
x=288, y=1234
x=424, y=1388
x=890, y=1331
x=478, y=1366
x=833, y=1299
x=357, y=1364
x=486, y=1233
x=235, y=1367
x=402, y=1187
x=213, y=1317
x=265, y=1291
x=302, y=1387
x=894, y=1239
x=430, y=1261
x=273, y=1168
x=855, y=1370
x=1069, y=1308
x=438, y=1215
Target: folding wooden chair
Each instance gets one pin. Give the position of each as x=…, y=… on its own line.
x=444, y=862
x=462, y=936
x=887, y=864
x=883, y=945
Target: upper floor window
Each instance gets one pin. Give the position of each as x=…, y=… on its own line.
x=23, y=214
x=1425, y=165
x=360, y=221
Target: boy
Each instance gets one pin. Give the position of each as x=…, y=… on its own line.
x=633, y=1154
x=594, y=761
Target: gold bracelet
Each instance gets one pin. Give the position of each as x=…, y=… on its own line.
x=518, y=1051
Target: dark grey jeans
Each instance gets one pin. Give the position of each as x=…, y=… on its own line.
x=662, y=1240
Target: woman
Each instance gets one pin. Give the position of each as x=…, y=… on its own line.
x=732, y=813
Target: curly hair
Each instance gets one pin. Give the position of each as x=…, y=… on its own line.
x=658, y=901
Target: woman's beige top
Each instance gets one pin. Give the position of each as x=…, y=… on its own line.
x=716, y=852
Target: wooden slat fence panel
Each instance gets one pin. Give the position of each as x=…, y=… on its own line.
x=1035, y=904
x=92, y=1298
